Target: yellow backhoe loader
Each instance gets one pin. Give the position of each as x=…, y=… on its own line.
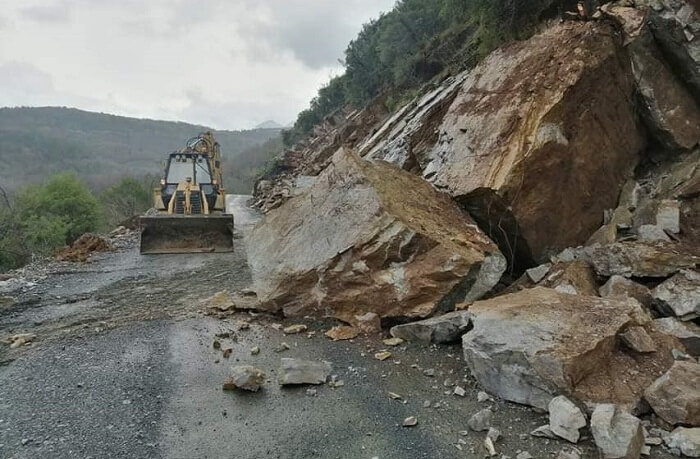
x=190, y=204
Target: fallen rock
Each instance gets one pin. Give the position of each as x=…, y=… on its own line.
x=383, y=355
x=528, y=189
x=569, y=454
x=245, y=377
x=523, y=455
x=368, y=237
x=679, y=295
x=410, y=421
x=392, y=342
x=544, y=431
x=651, y=233
x=21, y=339
x=621, y=287
x=686, y=332
x=686, y=440
x=481, y=420
x=617, y=434
x=446, y=328
x=573, y=277
x=294, y=329
x=638, y=258
x=295, y=371
x=83, y=247
x=342, y=332
x=637, y=339
x=6, y=302
x=537, y=274
x=220, y=301
x=565, y=419
x=675, y=396
x=528, y=346
x=368, y=323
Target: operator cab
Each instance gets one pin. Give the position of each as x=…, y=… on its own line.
x=189, y=167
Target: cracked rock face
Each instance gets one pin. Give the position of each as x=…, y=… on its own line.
x=369, y=237
x=675, y=396
x=528, y=346
x=526, y=126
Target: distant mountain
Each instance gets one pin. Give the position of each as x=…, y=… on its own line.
x=37, y=142
x=269, y=124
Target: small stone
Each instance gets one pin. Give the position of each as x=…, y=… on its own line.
x=368, y=323
x=494, y=434
x=243, y=325
x=20, y=339
x=565, y=419
x=216, y=344
x=426, y=404
x=392, y=342
x=482, y=397
x=481, y=420
x=294, y=329
x=383, y=355
x=342, y=333
x=544, y=431
x=459, y=391
x=220, y=302
x=523, y=455
x=637, y=339
x=490, y=448
x=680, y=355
x=569, y=454
x=227, y=353
x=394, y=396
x=277, y=327
x=255, y=350
x=282, y=347
x=295, y=371
x=538, y=273
x=311, y=392
x=429, y=372
x=245, y=377
x=410, y=421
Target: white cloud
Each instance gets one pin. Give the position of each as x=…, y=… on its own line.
x=229, y=64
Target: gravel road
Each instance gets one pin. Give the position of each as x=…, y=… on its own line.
x=124, y=366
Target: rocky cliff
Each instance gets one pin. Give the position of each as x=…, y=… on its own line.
x=576, y=152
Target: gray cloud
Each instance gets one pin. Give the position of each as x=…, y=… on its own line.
x=227, y=64
x=52, y=13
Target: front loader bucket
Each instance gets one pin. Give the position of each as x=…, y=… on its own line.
x=186, y=234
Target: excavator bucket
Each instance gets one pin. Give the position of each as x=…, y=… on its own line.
x=186, y=234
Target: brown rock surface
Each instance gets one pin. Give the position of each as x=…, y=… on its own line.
x=529, y=126
x=529, y=346
x=675, y=396
x=368, y=237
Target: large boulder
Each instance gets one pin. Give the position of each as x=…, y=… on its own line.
x=675, y=396
x=679, y=295
x=526, y=144
x=369, y=237
x=638, y=258
x=617, y=434
x=686, y=332
x=669, y=110
x=528, y=346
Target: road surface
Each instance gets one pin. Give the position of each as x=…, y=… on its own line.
x=123, y=366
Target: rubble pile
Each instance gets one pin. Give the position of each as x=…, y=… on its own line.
x=542, y=207
x=83, y=247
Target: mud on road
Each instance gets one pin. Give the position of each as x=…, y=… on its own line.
x=123, y=366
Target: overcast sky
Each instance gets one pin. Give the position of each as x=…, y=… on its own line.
x=228, y=64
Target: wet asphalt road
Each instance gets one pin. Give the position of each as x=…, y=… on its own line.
x=152, y=388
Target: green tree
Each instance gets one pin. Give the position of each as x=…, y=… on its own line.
x=64, y=197
x=126, y=199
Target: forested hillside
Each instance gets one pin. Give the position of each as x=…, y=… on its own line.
x=102, y=149
x=417, y=41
